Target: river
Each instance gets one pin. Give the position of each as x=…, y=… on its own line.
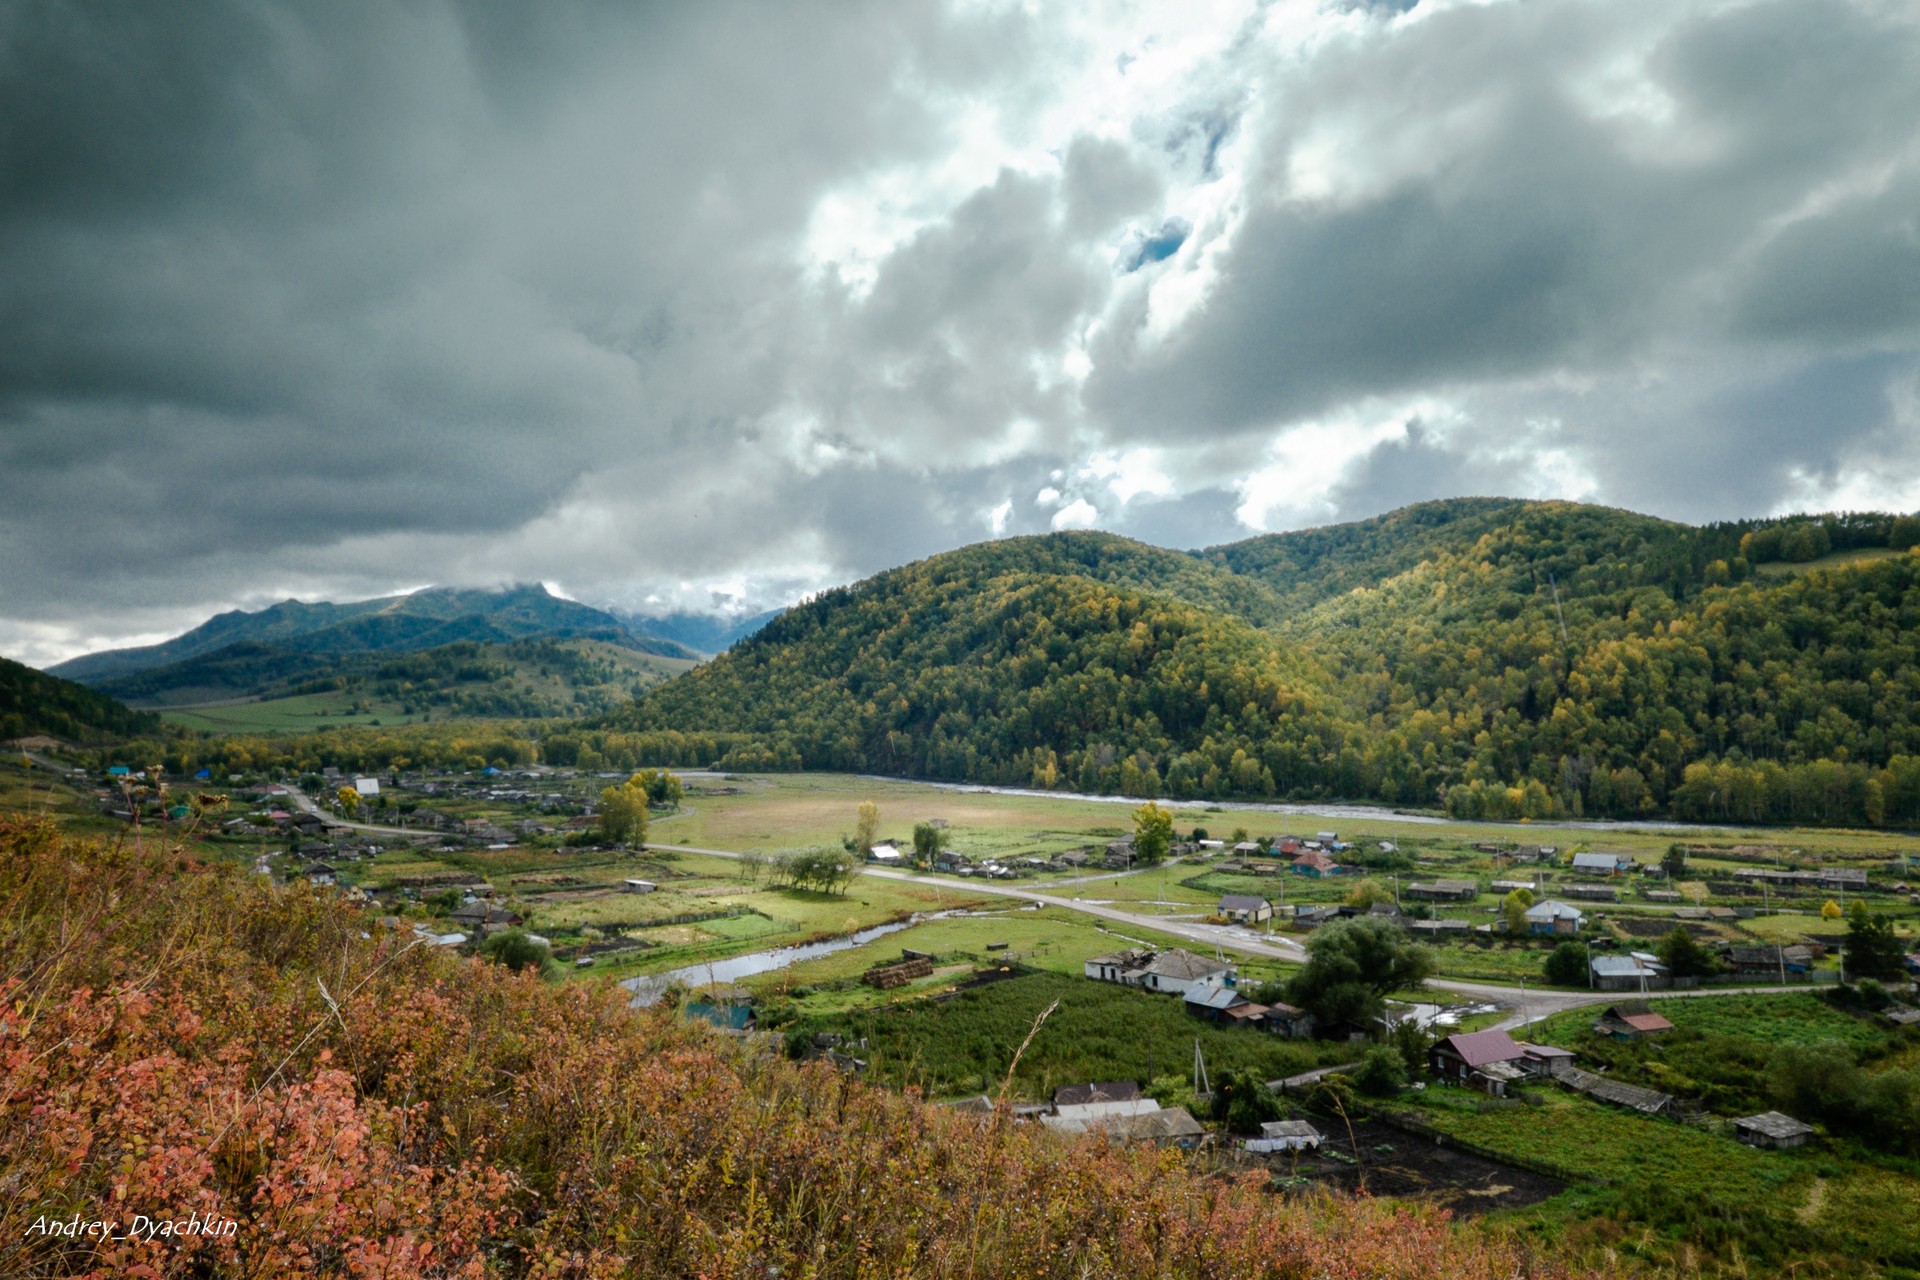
x=1344, y=812
x=648, y=988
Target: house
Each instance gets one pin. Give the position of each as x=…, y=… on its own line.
x=486, y=914
x=1468, y=1058
x=1248, y=848
x=1646, y=1101
x=1104, y=1108
x=1635, y=972
x=887, y=852
x=1211, y=846
x=1544, y=1060
x=1768, y=962
x=1123, y=967
x=1602, y=864
x=1212, y=998
x=321, y=873
x=1316, y=864
x=1913, y=964
x=1444, y=890
x=1244, y=908
x=1285, y=1020
x=1075, y=1095
x=1835, y=878
x=367, y=787
x=1591, y=892
x=1164, y=1127
x=1549, y=918
x=1772, y=1129
x=637, y=886
x=1071, y=859
x=1630, y=1021
x=1285, y=1135
x=1437, y=928
x=1175, y=970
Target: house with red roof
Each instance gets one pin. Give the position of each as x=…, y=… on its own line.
x=1631, y=1021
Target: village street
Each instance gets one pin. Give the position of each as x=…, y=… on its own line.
x=1522, y=1005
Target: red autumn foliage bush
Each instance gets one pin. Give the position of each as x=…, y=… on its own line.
x=177, y=1039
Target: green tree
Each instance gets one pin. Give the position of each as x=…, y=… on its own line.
x=1152, y=832
x=1241, y=1098
x=1684, y=957
x=1566, y=965
x=1382, y=1072
x=518, y=950
x=1674, y=861
x=928, y=841
x=866, y=826
x=1352, y=965
x=1515, y=906
x=623, y=814
x=1366, y=893
x=1872, y=948
x=662, y=789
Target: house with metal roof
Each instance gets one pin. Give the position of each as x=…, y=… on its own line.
x=1550, y=917
x=1462, y=1057
x=1638, y=971
x=1772, y=1129
x=1245, y=908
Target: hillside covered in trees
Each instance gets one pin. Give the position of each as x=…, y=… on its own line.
x=33, y=703
x=1497, y=657
x=530, y=679
x=427, y=619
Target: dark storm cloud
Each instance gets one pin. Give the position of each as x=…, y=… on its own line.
x=352, y=296
x=1534, y=235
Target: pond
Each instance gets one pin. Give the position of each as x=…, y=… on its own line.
x=1435, y=1017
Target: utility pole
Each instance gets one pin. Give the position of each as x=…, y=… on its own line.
x=1201, y=1085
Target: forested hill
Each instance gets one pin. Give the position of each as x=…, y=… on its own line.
x=33, y=703
x=426, y=619
x=1502, y=658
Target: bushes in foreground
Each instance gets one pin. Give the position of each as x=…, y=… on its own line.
x=176, y=1039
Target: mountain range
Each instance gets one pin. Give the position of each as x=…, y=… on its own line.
x=1501, y=658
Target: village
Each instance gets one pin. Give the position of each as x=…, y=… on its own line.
x=1481, y=1095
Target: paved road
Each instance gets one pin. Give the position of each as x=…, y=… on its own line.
x=1524, y=1005
x=306, y=805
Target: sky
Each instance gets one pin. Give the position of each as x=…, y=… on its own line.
x=708, y=306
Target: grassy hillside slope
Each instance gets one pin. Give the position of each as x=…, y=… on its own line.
x=179, y=1039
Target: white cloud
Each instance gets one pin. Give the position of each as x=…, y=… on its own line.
x=1078, y=514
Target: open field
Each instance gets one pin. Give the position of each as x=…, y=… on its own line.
x=1690, y=1191
x=1833, y=560
x=1799, y=1017
x=774, y=811
x=1050, y=939
x=965, y=1044
x=286, y=715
